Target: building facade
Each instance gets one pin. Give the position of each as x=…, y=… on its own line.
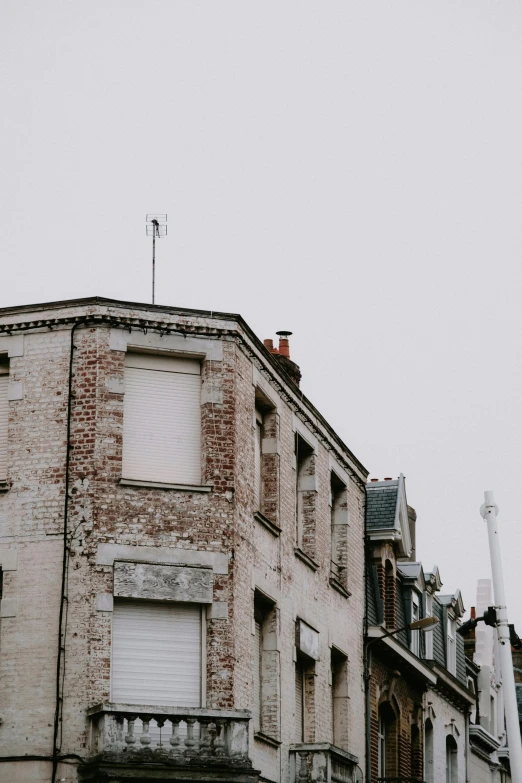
x=182, y=555
x=416, y=685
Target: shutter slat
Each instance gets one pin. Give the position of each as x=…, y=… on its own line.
x=156, y=655
x=4, y=417
x=162, y=426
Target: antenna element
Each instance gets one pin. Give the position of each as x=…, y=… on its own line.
x=156, y=226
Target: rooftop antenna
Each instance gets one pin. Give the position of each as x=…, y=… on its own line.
x=156, y=226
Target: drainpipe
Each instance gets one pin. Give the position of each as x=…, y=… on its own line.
x=60, y=659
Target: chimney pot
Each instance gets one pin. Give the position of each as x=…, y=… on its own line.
x=284, y=344
x=374, y=479
x=388, y=478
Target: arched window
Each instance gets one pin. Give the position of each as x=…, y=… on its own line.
x=428, y=751
x=451, y=760
x=387, y=742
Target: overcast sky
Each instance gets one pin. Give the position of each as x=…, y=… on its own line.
x=350, y=171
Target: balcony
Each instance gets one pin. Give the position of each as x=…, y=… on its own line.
x=144, y=742
x=321, y=763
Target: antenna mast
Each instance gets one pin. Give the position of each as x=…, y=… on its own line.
x=156, y=226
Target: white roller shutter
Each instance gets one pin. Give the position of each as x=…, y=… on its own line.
x=299, y=701
x=162, y=420
x=156, y=653
x=4, y=412
x=257, y=676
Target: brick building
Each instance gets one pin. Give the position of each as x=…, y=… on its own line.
x=416, y=684
x=182, y=553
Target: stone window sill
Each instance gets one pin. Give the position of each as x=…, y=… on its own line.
x=306, y=559
x=159, y=485
x=337, y=585
x=4, y=486
x=259, y=517
x=258, y=735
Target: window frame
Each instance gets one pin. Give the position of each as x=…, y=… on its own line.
x=175, y=357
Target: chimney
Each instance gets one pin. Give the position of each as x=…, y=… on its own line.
x=412, y=520
x=282, y=354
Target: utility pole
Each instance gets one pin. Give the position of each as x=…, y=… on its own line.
x=489, y=512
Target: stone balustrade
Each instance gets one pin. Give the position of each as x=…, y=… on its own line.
x=166, y=733
x=321, y=763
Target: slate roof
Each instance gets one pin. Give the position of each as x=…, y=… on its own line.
x=381, y=505
x=439, y=632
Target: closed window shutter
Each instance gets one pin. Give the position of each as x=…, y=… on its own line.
x=162, y=420
x=156, y=653
x=299, y=702
x=4, y=411
x=257, y=677
x=257, y=468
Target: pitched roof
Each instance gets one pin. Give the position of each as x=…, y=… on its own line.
x=381, y=504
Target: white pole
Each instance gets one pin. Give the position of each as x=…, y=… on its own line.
x=489, y=512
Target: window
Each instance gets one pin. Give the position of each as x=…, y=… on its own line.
x=415, y=752
x=339, y=529
x=299, y=699
x=390, y=598
x=4, y=410
x=451, y=662
x=305, y=496
x=258, y=463
x=162, y=419
x=381, y=761
x=428, y=635
x=428, y=759
x=304, y=699
x=387, y=742
x=415, y=635
x=266, y=463
x=340, y=711
x=265, y=668
x=307, y=653
x=473, y=711
x=157, y=653
x=493, y=715
x=451, y=760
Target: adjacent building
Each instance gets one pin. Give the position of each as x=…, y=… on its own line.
x=417, y=692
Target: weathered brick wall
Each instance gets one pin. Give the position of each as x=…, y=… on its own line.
x=104, y=512
x=405, y=701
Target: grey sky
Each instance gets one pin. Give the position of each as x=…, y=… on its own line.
x=347, y=170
